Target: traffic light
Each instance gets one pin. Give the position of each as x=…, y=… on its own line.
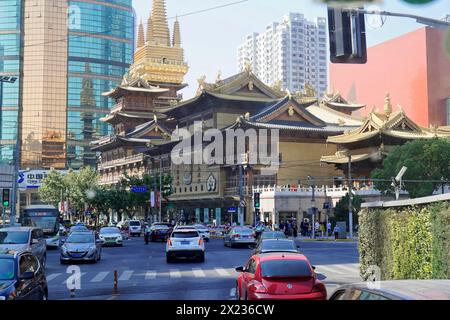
x=5, y=197
x=256, y=202
x=347, y=33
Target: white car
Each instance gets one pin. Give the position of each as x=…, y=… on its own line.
x=204, y=231
x=185, y=243
x=111, y=236
x=135, y=228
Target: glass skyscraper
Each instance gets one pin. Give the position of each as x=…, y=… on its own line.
x=101, y=45
x=10, y=57
x=65, y=54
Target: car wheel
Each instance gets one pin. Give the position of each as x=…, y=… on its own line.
x=169, y=259
x=45, y=295
x=231, y=245
x=202, y=258
x=62, y=261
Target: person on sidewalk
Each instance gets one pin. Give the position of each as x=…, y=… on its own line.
x=328, y=229
x=336, y=232
x=294, y=231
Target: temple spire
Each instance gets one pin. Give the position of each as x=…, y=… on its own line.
x=159, y=26
x=140, y=40
x=149, y=29
x=387, y=105
x=176, y=41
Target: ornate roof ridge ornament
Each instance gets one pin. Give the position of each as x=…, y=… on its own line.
x=219, y=76
x=247, y=67
x=387, y=105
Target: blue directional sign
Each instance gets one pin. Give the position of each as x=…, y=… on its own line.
x=139, y=189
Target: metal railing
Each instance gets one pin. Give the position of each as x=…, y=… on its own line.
x=122, y=161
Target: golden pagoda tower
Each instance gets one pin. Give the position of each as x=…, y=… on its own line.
x=159, y=60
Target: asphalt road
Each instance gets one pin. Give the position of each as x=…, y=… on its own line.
x=143, y=273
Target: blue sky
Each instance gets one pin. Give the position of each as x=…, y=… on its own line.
x=210, y=39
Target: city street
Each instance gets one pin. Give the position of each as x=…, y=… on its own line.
x=143, y=273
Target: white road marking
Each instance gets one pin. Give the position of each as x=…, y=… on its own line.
x=199, y=273
x=350, y=269
x=81, y=276
x=53, y=276
x=126, y=275
x=175, y=273
x=222, y=272
x=327, y=270
x=100, y=276
x=151, y=274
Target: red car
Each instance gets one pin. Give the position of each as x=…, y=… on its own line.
x=279, y=275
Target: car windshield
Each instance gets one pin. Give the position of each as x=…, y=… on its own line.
x=109, y=230
x=135, y=223
x=188, y=234
x=276, y=245
x=243, y=230
x=14, y=237
x=160, y=226
x=273, y=235
x=78, y=228
x=201, y=227
x=80, y=238
x=6, y=269
x=285, y=268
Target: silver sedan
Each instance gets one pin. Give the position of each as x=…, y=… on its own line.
x=81, y=246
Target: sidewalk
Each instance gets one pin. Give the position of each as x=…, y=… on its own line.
x=325, y=239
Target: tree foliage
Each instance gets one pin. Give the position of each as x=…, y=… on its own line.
x=52, y=188
x=426, y=160
x=341, y=209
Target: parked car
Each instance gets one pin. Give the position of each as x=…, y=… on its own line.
x=395, y=290
x=81, y=246
x=270, y=235
x=185, y=243
x=160, y=231
x=135, y=228
x=239, y=236
x=22, y=277
x=276, y=245
x=204, y=231
x=24, y=239
x=110, y=236
x=279, y=275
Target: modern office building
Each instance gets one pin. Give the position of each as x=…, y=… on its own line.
x=65, y=53
x=10, y=58
x=289, y=54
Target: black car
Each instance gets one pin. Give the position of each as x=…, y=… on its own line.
x=22, y=277
x=269, y=234
x=276, y=245
x=160, y=231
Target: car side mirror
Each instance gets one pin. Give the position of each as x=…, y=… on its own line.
x=314, y=267
x=239, y=269
x=27, y=275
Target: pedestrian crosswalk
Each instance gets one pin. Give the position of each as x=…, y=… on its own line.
x=330, y=271
x=132, y=275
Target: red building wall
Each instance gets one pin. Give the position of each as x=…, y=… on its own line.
x=413, y=68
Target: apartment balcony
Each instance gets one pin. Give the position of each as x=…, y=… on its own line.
x=138, y=158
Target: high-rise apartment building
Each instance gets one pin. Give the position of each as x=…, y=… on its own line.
x=65, y=54
x=289, y=54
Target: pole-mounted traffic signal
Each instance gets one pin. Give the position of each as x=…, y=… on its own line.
x=5, y=198
x=256, y=202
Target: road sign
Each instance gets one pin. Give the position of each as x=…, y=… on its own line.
x=139, y=189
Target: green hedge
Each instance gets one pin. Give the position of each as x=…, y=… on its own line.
x=408, y=243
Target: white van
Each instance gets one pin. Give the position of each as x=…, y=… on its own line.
x=135, y=228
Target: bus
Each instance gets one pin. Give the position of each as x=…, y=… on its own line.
x=47, y=218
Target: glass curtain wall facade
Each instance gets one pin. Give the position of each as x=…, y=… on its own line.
x=10, y=64
x=100, y=50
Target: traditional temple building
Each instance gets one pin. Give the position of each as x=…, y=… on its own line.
x=375, y=138
x=150, y=87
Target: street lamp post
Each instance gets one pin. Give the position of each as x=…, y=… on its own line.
x=350, y=196
x=313, y=207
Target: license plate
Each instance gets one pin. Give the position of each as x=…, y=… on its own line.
x=185, y=243
x=244, y=236
x=76, y=255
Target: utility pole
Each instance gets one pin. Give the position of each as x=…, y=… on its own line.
x=350, y=196
x=313, y=207
x=241, y=197
x=160, y=189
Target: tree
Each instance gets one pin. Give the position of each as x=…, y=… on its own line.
x=341, y=209
x=428, y=162
x=52, y=188
x=81, y=185
x=101, y=201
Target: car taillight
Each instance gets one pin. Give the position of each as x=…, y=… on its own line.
x=200, y=241
x=254, y=235
x=169, y=242
x=319, y=287
x=257, y=287
x=235, y=236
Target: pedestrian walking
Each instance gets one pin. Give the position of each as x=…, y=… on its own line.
x=328, y=229
x=336, y=232
x=294, y=231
